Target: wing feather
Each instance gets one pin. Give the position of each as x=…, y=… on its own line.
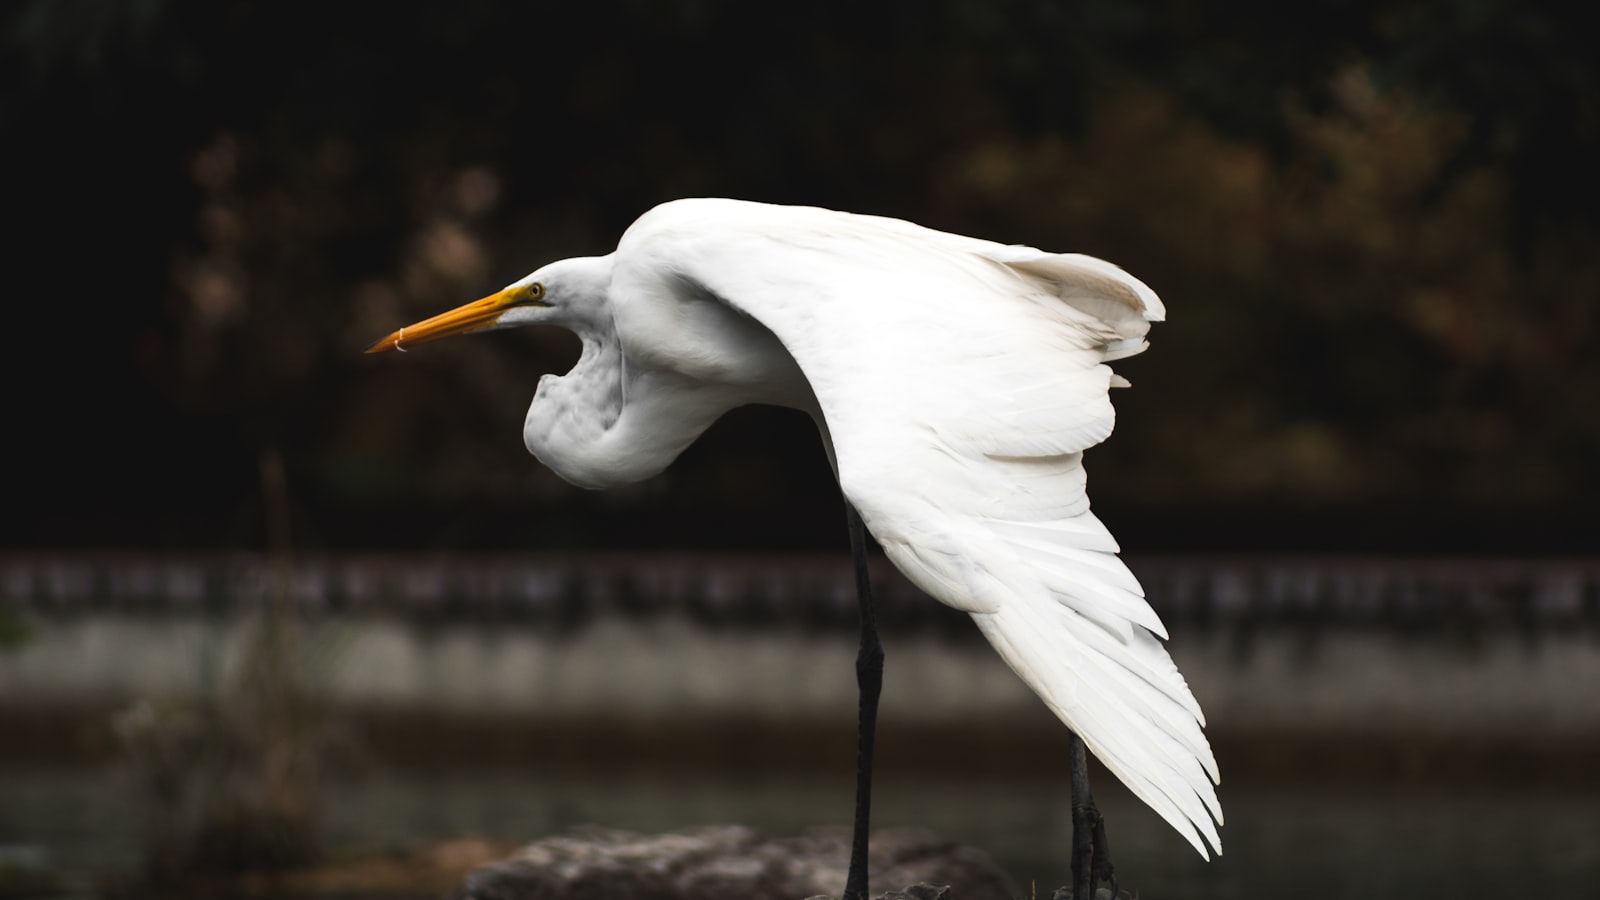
x=958, y=382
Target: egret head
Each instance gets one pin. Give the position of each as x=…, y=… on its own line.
x=559, y=293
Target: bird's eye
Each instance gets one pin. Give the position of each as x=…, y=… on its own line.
x=533, y=292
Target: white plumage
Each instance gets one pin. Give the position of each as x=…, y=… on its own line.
x=956, y=383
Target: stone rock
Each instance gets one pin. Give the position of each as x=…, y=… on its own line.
x=734, y=863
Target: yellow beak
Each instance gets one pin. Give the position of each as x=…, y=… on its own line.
x=473, y=316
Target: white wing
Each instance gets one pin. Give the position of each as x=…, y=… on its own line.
x=959, y=382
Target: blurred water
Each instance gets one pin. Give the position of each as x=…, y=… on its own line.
x=1493, y=655
x=1320, y=842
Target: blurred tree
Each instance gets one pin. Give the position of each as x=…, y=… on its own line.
x=1374, y=224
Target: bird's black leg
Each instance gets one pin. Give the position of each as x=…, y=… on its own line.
x=1091, y=854
x=869, y=681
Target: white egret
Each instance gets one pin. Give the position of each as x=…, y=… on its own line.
x=956, y=383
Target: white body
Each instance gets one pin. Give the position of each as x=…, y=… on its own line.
x=956, y=383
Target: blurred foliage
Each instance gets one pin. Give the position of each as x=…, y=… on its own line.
x=232, y=782
x=1374, y=224
x=14, y=630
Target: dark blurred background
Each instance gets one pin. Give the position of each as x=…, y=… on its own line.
x=1356, y=472
x=1376, y=226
